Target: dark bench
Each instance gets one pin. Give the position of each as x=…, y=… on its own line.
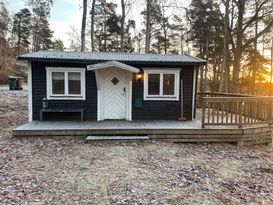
x=42, y=111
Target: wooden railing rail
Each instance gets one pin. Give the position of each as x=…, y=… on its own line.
x=236, y=111
x=201, y=95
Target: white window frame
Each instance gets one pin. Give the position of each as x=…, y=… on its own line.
x=175, y=71
x=66, y=96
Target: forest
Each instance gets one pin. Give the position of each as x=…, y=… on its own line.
x=235, y=37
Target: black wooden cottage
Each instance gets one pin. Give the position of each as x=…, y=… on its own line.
x=108, y=85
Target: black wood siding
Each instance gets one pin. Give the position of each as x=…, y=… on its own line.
x=39, y=91
x=151, y=110
x=165, y=110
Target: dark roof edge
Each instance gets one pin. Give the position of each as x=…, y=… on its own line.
x=19, y=58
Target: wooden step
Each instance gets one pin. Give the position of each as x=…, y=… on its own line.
x=93, y=138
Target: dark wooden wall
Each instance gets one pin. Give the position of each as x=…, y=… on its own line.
x=165, y=110
x=39, y=91
x=151, y=110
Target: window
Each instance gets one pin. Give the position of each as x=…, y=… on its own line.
x=65, y=83
x=161, y=84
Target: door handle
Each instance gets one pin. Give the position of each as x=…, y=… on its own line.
x=124, y=89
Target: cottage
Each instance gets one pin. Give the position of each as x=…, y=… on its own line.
x=98, y=86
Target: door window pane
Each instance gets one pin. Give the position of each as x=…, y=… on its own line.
x=74, y=83
x=168, y=84
x=153, y=84
x=57, y=82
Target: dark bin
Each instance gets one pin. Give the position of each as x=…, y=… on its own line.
x=15, y=83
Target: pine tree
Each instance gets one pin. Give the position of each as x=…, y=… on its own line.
x=21, y=29
x=41, y=32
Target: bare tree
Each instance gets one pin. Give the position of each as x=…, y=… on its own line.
x=241, y=29
x=148, y=26
x=83, y=25
x=122, y=25
x=223, y=87
x=93, y=25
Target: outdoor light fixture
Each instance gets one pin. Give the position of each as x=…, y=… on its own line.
x=44, y=103
x=138, y=77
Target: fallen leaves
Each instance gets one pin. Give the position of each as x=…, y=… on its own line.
x=65, y=170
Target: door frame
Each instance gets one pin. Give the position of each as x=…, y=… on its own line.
x=100, y=95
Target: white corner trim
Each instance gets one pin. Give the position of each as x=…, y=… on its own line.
x=66, y=96
x=30, y=111
x=115, y=64
x=194, y=91
x=129, y=87
x=175, y=97
x=99, y=106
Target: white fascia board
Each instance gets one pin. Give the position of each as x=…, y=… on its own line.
x=113, y=64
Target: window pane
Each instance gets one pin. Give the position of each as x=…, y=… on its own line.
x=57, y=83
x=74, y=83
x=168, y=84
x=153, y=84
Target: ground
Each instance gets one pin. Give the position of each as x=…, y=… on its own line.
x=65, y=170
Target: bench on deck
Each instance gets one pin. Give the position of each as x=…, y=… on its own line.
x=42, y=111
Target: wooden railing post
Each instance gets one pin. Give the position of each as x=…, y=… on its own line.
x=269, y=116
x=240, y=115
x=203, y=112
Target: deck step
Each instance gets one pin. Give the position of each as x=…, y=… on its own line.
x=116, y=138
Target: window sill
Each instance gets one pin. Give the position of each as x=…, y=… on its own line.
x=66, y=98
x=161, y=98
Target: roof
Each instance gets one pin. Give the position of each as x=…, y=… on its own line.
x=110, y=56
x=116, y=64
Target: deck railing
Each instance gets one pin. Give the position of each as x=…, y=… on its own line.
x=201, y=95
x=236, y=111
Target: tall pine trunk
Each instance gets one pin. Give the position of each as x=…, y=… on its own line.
x=238, y=49
x=254, y=68
x=83, y=25
x=223, y=87
x=122, y=25
x=148, y=26
x=93, y=25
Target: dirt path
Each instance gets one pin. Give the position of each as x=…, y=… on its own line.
x=68, y=171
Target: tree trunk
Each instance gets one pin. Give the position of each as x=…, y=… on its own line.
x=83, y=25
x=148, y=26
x=165, y=40
x=93, y=25
x=238, y=49
x=271, y=69
x=223, y=75
x=19, y=38
x=206, y=66
x=253, y=87
x=122, y=25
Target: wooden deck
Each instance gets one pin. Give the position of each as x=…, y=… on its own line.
x=174, y=131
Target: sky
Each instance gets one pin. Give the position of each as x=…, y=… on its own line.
x=64, y=14
x=67, y=13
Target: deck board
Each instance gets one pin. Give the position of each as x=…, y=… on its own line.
x=174, y=131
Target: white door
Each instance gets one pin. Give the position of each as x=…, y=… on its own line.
x=114, y=93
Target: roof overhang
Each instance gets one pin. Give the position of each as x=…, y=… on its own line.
x=111, y=64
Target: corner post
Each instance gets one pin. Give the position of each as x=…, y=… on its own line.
x=240, y=115
x=29, y=81
x=203, y=112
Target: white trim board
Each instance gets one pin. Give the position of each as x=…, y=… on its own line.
x=66, y=96
x=29, y=81
x=161, y=72
x=111, y=64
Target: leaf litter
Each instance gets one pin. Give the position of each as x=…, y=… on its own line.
x=65, y=170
